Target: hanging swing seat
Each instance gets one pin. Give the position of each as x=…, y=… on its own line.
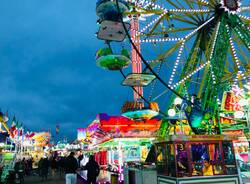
x=113, y=62
x=138, y=79
x=107, y=9
x=112, y=31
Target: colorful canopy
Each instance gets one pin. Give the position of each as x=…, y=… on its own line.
x=106, y=127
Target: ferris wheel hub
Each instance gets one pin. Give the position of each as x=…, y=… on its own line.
x=231, y=6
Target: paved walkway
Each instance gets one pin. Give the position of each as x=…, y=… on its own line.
x=61, y=180
x=51, y=180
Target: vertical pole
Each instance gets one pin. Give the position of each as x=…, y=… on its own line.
x=136, y=60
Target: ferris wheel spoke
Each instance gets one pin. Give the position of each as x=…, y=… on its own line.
x=176, y=63
x=168, y=52
x=189, y=11
x=244, y=8
x=185, y=79
x=160, y=95
x=244, y=35
x=175, y=30
x=212, y=2
x=200, y=2
x=234, y=54
x=246, y=58
x=182, y=19
x=164, y=55
x=179, y=4
x=155, y=21
x=156, y=25
x=190, y=4
x=190, y=65
x=244, y=18
x=191, y=15
x=198, y=28
x=181, y=9
x=155, y=82
x=173, y=4
x=209, y=54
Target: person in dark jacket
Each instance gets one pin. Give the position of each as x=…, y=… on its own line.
x=53, y=166
x=93, y=170
x=61, y=165
x=44, y=168
x=71, y=166
x=19, y=169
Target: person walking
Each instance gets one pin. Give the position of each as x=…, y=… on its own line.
x=44, y=168
x=71, y=166
x=61, y=165
x=19, y=169
x=93, y=170
x=40, y=167
x=53, y=166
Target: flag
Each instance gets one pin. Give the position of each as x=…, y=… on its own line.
x=31, y=134
x=57, y=129
x=19, y=125
x=13, y=126
x=21, y=131
x=27, y=134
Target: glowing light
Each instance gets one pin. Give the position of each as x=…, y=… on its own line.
x=244, y=17
x=235, y=56
x=212, y=52
x=177, y=101
x=176, y=63
x=171, y=112
x=204, y=2
x=245, y=8
x=243, y=102
x=189, y=10
x=237, y=91
x=238, y=114
x=157, y=40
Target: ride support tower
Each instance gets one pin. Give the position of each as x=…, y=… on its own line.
x=135, y=58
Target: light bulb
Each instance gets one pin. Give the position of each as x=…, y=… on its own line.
x=171, y=112
x=177, y=101
x=238, y=114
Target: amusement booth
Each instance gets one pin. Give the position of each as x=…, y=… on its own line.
x=117, y=141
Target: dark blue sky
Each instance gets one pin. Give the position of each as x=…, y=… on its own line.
x=48, y=73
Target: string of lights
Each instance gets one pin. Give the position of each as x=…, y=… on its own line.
x=176, y=63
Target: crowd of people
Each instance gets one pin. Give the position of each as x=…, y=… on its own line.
x=72, y=165
x=64, y=166
x=23, y=167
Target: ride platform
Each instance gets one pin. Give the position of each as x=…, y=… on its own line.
x=196, y=159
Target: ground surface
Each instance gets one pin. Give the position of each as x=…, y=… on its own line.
x=51, y=180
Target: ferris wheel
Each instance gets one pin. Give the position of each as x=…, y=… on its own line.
x=195, y=48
